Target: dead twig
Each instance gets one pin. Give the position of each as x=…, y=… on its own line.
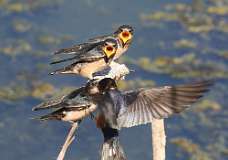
x=69, y=139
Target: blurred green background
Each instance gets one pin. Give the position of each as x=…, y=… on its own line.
x=175, y=42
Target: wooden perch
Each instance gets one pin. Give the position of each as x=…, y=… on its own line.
x=158, y=139
x=69, y=139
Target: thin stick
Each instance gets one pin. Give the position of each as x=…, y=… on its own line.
x=158, y=139
x=69, y=139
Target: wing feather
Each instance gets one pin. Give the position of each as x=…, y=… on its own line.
x=143, y=105
x=78, y=49
x=59, y=102
x=54, y=103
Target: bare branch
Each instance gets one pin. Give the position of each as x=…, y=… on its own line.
x=69, y=139
x=158, y=139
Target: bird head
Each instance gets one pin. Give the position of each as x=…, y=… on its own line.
x=92, y=87
x=95, y=86
x=125, y=34
x=106, y=84
x=109, y=47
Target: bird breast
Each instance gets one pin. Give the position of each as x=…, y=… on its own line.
x=76, y=115
x=92, y=67
x=120, y=51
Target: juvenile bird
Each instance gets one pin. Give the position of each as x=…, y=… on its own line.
x=92, y=61
x=72, y=107
x=123, y=35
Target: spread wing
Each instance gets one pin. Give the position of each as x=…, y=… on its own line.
x=144, y=105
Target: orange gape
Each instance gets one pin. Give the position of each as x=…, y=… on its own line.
x=100, y=121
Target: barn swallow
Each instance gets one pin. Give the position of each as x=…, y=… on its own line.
x=106, y=118
x=92, y=61
x=131, y=108
x=126, y=109
x=123, y=36
x=72, y=107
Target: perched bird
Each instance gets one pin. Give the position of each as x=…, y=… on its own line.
x=123, y=35
x=92, y=61
x=72, y=107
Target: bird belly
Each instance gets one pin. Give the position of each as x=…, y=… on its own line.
x=77, y=115
x=100, y=121
x=120, y=51
x=88, y=69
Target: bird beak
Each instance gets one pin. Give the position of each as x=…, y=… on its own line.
x=125, y=36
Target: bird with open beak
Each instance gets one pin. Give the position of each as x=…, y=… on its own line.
x=89, y=58
x=123, y=35
x=92, y=61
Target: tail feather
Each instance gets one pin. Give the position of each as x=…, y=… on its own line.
x=65, y=51
x=49, y=104
x=111, y=148
x=76, y=49
x=64, y=60
x=59, y=71
x=56, y=115
x=67, y=69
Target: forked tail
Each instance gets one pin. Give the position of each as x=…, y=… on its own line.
x=111, y=148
